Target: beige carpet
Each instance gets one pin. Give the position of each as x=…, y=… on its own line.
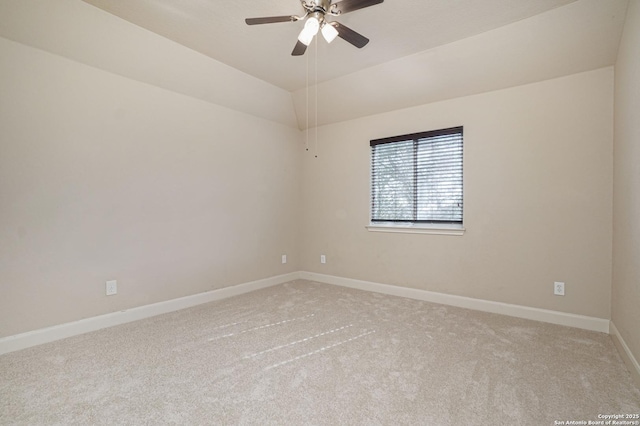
x=308, y=353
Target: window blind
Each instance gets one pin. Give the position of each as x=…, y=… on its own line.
x=418, y=177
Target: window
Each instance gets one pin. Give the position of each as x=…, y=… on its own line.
x=417, y=178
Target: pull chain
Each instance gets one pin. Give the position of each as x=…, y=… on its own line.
x=306, y=142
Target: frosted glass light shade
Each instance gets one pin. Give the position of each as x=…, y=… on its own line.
x=305, y=37
x=310, y=29
x=329, y=32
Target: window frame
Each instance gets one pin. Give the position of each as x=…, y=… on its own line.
x=416, y=226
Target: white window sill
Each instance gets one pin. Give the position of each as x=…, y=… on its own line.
x=417, y=228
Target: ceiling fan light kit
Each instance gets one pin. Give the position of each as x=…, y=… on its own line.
x=310, y=29
x=329, y=32
x=315, y=15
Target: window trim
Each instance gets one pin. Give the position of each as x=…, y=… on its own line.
x=410, y=228
x=418, y=226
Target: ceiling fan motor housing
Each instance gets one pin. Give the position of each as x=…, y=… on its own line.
x=321, y=6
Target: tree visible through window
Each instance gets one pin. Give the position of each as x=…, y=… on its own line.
x=418, y=177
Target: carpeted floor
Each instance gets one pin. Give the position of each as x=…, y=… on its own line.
x=309, y=353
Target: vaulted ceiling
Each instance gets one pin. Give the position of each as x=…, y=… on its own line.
x=421, y=51
x=397, y=28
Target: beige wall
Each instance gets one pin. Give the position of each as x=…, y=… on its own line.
x=538, y=198
x=116, y=174
x=626, y=212
x=103, y=177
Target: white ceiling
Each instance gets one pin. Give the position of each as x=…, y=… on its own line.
x=397, y=28
x=421, y=51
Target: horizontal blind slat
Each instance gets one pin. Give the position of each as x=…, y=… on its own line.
x=418, y=179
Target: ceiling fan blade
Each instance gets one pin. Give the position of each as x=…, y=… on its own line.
x=299, y=49
x=346, y=33
x=270, y=20
x=346, y=6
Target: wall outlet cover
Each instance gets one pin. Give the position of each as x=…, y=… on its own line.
x=112, y=287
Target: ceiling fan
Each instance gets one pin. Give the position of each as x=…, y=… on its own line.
x=316, y=12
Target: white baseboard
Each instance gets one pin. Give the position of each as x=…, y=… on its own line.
x=536, y=314
x=50, y=334
x=626, y=354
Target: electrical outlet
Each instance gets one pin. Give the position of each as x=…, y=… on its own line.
x=112, y=287
x=558, y=288
x=284, y=258
x=323, y=258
